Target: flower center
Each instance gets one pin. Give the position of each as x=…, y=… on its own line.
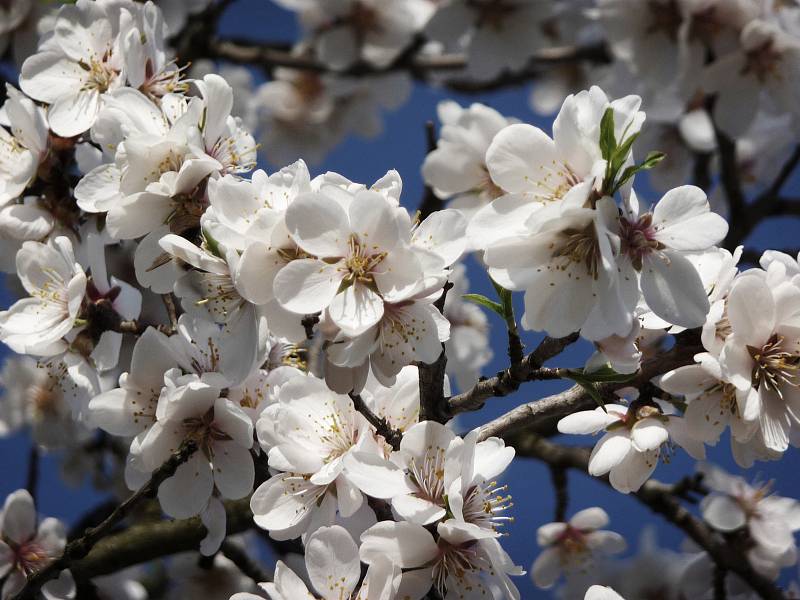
x=45, y=398
x=219, y=295
x=638, y=239
x=205, y=432
x=774, y=366
x=579, y=246
x=30, y=557
x=361, y=262
x=571, y=543
x=763, y=62
x=556, y=179
x=99, y=76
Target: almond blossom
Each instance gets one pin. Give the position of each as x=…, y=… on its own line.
x=573, y=545
x=191, y=409
x=26, y=547
x=23, y=147
x=461, y=561
x=84, y=36
x=56, y=284
x=771, y=520
x=760, y=357
x=630, y=448
x=333, y=566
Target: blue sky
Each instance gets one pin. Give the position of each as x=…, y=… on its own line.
x=402, y=147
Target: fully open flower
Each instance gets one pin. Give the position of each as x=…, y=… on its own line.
x=761, y=357
x=80, y=65
x=573, y=545
x=456, y=564
x=26, y=548
x=23, y=148
x=361, y=258
x=56, y=284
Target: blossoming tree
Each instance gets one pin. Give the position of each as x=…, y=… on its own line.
x=287, y=362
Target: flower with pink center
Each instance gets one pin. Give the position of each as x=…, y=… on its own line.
x=573, y=545
x=26, y=548
x=655, y=244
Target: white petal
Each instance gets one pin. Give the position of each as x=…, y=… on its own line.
x=609, y=452
x=546, y=568
x=673, y=289
x=332, y=562
x=234, y=471
x=356, y=309
x=306, y=286
x=214, y=519
x=19, y=517
x=587, y=421
x=375, y=476
x=405, y=544
x=319, y=225
x=648, y=434
x=723, y=512
x=186, y=493
x=589, y=518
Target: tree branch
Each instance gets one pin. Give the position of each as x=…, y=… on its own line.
x=244, y=562
x=381, y=425
x=508, y=381
x=80, y=547
x=577, y=398
x=660, y=498
x=432, y=403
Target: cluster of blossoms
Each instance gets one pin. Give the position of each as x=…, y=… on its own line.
x=275, y=331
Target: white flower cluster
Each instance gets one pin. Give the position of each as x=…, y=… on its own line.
x=282, y=326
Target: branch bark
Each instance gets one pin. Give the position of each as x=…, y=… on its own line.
x=577, y=398
x=393, y=437
x=508, y=381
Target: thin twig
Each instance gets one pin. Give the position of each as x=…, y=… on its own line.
x=392, y=436
x=558, y=475
x=172, y=313
x=509, y=380
x=432, y=403
x=80, y=547
x=238, y=556
x=308, y=322
x=32, y=484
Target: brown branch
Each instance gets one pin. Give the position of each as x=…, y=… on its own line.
x=558, y=475
x=381, y=425
x=148, y=541
x=508, y=381
x=576, y=397
x=308, y=322
x=432, y=403
x=32, y=483
x=172, y=312
x=660, y=498
x=249, y=567
x=420, y=66
x=80, y=547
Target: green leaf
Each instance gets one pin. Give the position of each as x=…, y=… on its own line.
x=212, y=244
x=605, y=375
x=588, y=381
x=608, y=142
x=506, y=301
x=485, y=302
x=621, y=154
x=650, y=161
